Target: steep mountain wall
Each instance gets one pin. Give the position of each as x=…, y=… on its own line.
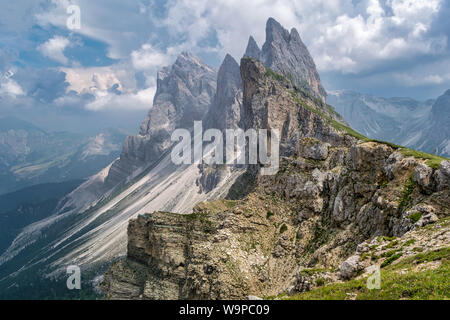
x=333, y=192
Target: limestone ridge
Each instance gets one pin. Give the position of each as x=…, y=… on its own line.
x=285, y=53
x=184, y=94
x=224, y=113
x=332, y=193
x=270, y=104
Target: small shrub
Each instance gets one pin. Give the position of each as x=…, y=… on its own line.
x=406, y=194
x=415, y=217
x=320, y=282
x=283, y=228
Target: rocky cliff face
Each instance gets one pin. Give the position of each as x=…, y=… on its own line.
x=185, y=91
x=334, y=191
x=285, y=53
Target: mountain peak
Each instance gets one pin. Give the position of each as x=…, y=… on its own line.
x=225, y=111
x=285, y=53
x=252, y=49
x=447, y=93
x=229, y=60
x=275, y=30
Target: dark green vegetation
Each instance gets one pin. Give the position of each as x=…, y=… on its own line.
x=406, y=194
x=398, y=281
x=21, y=208
x=415, y=217
x=36, y=287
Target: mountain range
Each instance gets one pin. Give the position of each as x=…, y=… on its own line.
x=145, y=228
x=421, y=125
x=31, y=156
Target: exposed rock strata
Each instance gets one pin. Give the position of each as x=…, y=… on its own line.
x=332, y=193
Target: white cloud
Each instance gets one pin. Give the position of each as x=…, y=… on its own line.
x=431, y=74
x=99, y=81
x=345, y=36
x=10, y=88
x=54, y=49
x=105, y=100
x=341, y=36
x=361, y=37
x=148, y=58
x=87, y=80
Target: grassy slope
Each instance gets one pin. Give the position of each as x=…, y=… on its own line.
x=398, y=281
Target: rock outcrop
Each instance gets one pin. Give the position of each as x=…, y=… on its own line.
x=334, y=191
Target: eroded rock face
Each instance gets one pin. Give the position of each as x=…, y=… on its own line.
x=314, y=149
x=225, y=112
x=423, y=176
x=270, y=104
x=312, y=214
x=442, y=176
x=259, y=246
x=185, y=91
x=418, y=216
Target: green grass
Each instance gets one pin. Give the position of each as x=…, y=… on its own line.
x=313, y=271
x=216, y=206
x=391, y=259
x=433, y=161
x=275, y=75
x=409, y=242
x=385, y=238
x=415, y=285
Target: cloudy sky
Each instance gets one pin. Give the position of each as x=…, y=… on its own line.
x=101, y=72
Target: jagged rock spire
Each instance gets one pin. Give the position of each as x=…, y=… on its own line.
x=285, y=53
x=253, y=50
x=226, y=109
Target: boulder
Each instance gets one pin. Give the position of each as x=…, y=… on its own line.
x=350, y=267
